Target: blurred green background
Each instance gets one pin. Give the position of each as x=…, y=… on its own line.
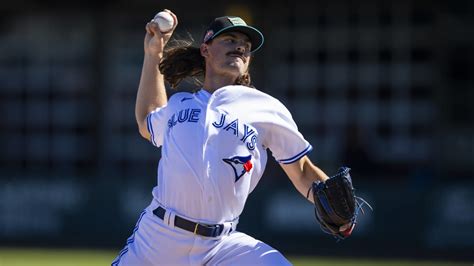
x=82, y=257
x=385, y=87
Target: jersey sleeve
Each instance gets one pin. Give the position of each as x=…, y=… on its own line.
x=282, y=137
x=156, y=125
x=276, y=128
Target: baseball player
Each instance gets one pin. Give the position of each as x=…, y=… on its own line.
x=214, y=149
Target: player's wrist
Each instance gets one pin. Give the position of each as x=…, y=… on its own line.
x=309, y=191
x=151, y=62
x=153, y=56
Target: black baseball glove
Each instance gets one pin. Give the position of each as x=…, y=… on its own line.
x=336, y=205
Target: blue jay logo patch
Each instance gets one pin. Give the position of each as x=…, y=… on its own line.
x=240, y=164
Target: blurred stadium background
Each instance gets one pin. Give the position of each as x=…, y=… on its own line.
x=385, y=87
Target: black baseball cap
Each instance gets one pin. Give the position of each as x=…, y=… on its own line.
x=227, y=24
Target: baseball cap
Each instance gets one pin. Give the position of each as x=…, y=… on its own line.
x=227, y=24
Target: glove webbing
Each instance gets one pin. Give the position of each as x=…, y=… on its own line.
x=332, y=230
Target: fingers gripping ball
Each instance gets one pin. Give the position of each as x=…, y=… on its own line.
x=336, y=205
x=165, y=21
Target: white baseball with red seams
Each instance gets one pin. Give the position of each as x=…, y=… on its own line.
x=164, y=20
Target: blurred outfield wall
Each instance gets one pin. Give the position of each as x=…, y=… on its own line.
x=407, y=221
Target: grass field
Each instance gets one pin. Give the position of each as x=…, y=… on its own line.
x=52, y=257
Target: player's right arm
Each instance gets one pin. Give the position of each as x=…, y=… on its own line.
x=151, y=90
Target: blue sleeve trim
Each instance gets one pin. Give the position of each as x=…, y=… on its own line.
x=297, y=156
x=150, y=129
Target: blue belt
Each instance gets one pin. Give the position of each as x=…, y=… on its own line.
x=209, y=230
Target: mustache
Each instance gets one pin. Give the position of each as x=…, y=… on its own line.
x=239, y=54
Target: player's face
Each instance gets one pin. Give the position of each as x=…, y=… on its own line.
x=229, y=54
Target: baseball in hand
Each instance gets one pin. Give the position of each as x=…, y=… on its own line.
x=164, y=20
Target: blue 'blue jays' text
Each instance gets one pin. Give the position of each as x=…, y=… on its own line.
x=185, y=115
x=249, y=136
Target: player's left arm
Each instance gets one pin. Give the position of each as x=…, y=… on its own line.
x=302, y=174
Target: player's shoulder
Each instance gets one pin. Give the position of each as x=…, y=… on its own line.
x=244, y=93
x=181, y=97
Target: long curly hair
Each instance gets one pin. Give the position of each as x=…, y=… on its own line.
x=181, y=60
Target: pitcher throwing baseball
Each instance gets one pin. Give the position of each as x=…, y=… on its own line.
x=214, y=150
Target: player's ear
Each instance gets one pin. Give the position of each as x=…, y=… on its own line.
x=204, y=49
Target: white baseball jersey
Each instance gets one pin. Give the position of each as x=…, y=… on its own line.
x=214, y=149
